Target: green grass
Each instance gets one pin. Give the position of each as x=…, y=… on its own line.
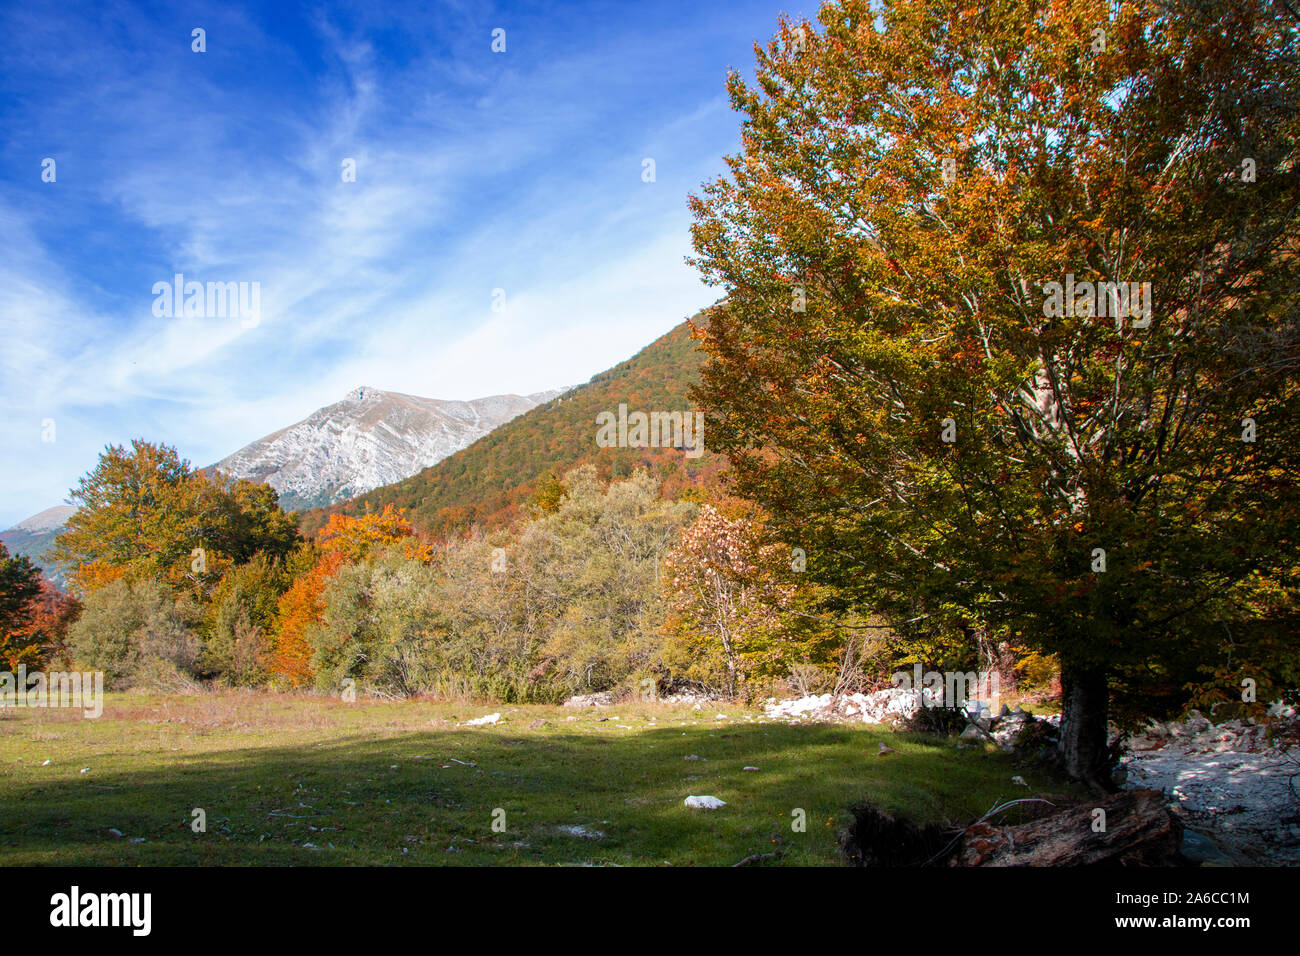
x=374, y=783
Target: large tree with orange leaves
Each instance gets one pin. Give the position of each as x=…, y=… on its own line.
x=897, y=379
x=145, y=512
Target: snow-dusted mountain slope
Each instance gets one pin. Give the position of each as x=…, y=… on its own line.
x=51, y=519
x=35, y=535
x=371, y=438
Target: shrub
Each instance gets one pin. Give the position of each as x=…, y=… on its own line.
x=243, y=608
x=134, y=632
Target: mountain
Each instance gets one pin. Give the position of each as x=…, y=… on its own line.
x=370, y=438
x=494, y=480
x=33, y=536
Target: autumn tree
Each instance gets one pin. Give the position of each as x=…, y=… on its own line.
x=550, y=490
x=299, y=609
x=566, y=602
x=253, y=523
x=20, y=587
x=1011, y=336
x=724, y=583
x=585, y=579
x=144, y=512
x=241, y=614
x=52, y=613
x=354, y=538
x=139, y=633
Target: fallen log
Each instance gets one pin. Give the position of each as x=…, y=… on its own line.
x=1135, y=830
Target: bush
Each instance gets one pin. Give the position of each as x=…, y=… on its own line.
x=242, y=611
x=135, y=632
x=569, y=603
x=379, y=626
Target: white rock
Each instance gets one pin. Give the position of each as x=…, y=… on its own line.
x=480, y=721
x=1226, y=781
x=1279, y=709
x=889, y=706
x=685, y=697
x=704, y=803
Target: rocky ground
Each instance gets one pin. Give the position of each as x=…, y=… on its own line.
x=881, y=707
x=1235, y=785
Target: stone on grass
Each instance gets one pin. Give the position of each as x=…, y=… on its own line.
x=704, y=803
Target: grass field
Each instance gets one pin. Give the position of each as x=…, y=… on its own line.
x=288, y=780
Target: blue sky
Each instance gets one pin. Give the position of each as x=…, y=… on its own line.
x=475, y=171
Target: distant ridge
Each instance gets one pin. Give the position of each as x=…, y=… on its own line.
x=370, y=438
x=33, y=537
x=51, y=519
x=494, y=480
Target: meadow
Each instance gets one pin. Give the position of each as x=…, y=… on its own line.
x=315, y=781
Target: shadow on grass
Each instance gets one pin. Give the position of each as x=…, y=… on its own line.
x=433, y=798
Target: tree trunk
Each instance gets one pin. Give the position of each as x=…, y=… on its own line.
x=1085, y=705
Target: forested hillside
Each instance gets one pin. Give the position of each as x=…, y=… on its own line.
x=495, y=479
